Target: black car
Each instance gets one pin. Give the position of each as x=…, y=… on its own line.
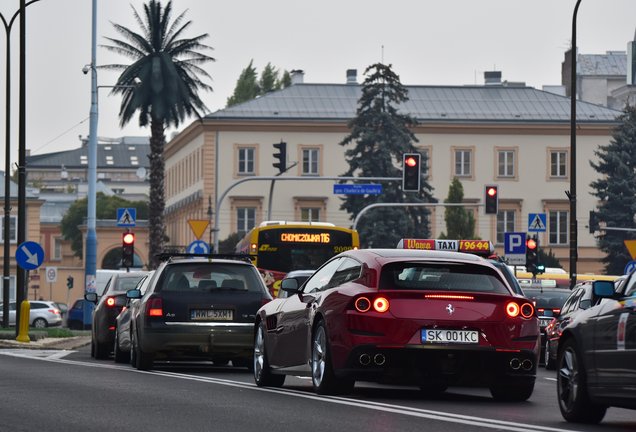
x=597, y=355
x=122, y=343
x=198, y=308
x=580, y=299
x=107, y=309
x=548, y=302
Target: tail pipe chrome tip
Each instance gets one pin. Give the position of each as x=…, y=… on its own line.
x=527, y=364
x=515, y=363
x=379, y=359
x=364, y=359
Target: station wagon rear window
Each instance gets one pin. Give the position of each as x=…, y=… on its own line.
x=441, y=276
x=210, y=276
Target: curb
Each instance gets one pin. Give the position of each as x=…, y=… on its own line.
x=69, y=343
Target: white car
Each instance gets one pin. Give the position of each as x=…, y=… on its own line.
x=43, y=314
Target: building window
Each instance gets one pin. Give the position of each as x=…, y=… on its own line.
x=245, y=219
x=558, y=164
x=310, y=161
x=13, y=234
x=506, y=163
x=558, y=227
x=246, y=160
x=463, y=161
x=310, y=214
x=57, y=248
x=505, y=223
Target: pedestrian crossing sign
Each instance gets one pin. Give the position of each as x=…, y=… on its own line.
x=126, y=217
x=536, y=222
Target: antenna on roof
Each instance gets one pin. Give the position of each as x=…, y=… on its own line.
x=382, y=54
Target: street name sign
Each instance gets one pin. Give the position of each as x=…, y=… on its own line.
x=357, y=189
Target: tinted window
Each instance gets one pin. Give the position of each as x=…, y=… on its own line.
x=209, y=276
x=35, y=305
x=320, y=280
x=441, y=276
x=347, y=271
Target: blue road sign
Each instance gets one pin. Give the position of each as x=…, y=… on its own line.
x=629, y=267
x=536, y=222
x=514, y=243
x=357, y=189
x=198, y=247
x=126, y=217
x=29, y=255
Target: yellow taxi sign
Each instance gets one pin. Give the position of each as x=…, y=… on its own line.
x=198, y=226
x=480, y=247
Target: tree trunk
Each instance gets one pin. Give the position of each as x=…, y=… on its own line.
x=156, y=205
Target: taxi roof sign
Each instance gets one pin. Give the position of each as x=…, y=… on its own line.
x=478, y=247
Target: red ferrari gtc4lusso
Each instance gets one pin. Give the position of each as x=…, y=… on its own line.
x=430, y=318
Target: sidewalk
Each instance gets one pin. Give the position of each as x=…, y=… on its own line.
x=69, y=343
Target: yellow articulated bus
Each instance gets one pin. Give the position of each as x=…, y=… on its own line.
x=560, y=279
x=278, y=247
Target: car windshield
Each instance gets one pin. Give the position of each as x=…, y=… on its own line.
x=124, y=283
x=441, y=276
x=208, y=276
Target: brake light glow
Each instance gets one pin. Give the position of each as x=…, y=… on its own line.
x=154, y=307
x=381, y=304
x=449, y=296
x=556, y=311
x=54, y=311
x=362, y=304
x=512, y=309
x=110, y=301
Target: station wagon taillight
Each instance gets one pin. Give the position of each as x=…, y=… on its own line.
x=154, y=307
x=110, y=301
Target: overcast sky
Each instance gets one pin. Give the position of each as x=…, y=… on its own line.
x=428, y=42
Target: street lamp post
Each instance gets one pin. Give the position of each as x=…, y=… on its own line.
x=572, y=193
x=6, y=280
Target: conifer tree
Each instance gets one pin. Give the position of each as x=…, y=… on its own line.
x=616, y=191
x=379, y=136
x=246, y=86
x=460, y=223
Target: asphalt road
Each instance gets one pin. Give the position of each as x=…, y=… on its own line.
x=68, y=391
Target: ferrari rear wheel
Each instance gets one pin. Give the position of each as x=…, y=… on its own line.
x=263, y=376
x=574, y=401
x=322, y=374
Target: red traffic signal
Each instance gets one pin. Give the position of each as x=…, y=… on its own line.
x=491, y=199
x=128, y=239
x=410, y=161
x=531, y=244
x=411, y=172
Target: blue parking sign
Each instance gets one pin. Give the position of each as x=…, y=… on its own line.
x=514, y=243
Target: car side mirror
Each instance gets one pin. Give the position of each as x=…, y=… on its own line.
x=133, y=294
x=603, y=289
x=289, y=285
x=91, y=297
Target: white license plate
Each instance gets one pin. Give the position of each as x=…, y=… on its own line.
x=543, y=322
x=450, y=336
x=211, y=315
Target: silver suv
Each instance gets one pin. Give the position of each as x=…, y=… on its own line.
x=43, y=314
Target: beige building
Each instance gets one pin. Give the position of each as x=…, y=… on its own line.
x=501, y=133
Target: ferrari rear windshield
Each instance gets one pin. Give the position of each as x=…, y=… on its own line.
x=441, y=276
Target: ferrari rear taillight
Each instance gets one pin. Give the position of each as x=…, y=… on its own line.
x=154, y=307
x=365, y=304
x=525, y=310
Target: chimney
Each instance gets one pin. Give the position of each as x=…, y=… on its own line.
x=352, y=76
x=297, y=76
x=492, y=78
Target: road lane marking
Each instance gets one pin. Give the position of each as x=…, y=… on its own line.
x=371, y=405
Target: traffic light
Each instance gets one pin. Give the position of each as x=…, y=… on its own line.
x=532, y=255
x=281, y=156
x=593, y=224
x=128, y=249
x=491, y=199
x=69, y=282
x=411, y=172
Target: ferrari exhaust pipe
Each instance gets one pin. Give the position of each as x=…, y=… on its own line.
x=515, y=363
x=379, y=359
x=526, y=364
x=364, y=359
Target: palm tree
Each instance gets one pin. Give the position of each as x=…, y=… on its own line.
x=169, y=67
